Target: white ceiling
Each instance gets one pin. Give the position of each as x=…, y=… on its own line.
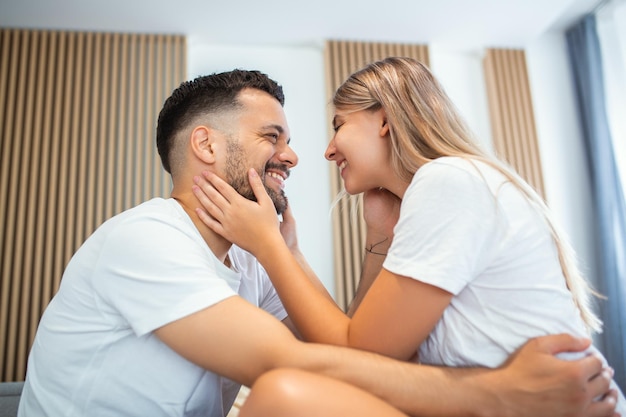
x=463, y=24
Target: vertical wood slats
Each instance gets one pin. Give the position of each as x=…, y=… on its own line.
x=77, y=123
x=511, y=111
x=341, y=59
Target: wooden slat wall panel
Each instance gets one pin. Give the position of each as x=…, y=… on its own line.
x=512, y=118
x=78, y=115
x=343, y=58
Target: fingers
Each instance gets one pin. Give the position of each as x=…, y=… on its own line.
x=558, y=343
x=604, y=407
x=210, y=199
x=599, y=385
x=209, y=221
x=288, y=215
x=257, y=187
x=210, y=182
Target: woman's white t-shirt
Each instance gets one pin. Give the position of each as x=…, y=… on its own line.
x=464, y=228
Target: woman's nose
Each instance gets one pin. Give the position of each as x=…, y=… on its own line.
x=330, y=151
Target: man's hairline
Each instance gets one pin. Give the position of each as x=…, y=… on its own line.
x=200, y=120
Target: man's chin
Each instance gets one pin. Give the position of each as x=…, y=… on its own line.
x=279, y=199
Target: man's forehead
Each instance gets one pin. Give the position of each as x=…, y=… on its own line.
x=263, y=111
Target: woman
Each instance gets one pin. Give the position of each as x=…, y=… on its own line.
x=475, y=266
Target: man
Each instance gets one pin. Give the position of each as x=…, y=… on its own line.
x=156, y=314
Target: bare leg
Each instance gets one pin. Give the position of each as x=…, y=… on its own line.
x=295, y=393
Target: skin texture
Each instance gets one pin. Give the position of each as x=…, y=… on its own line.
x=362, y=167
x=290, y=392
x=381, y=210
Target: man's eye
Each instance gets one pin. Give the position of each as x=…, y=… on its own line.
x=273, y=137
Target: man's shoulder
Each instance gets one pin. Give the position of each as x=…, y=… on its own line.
x=157, y=208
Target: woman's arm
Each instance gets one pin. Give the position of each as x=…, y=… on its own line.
x=290, y=236
x=396, y=314
x=381, y=210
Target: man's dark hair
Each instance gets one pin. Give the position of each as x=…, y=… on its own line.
x=204, y=95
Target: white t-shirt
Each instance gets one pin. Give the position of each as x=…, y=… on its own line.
x=95, y=353
x=464, y=229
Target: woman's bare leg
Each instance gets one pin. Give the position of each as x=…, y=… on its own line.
x=295, y=393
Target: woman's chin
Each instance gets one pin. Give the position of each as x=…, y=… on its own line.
x=352, y=190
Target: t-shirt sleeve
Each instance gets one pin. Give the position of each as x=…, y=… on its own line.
x=154, y=271
x=444, y=235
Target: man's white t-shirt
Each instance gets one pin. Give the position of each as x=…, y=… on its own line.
x=95, y=353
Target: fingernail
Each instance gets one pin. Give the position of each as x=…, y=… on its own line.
x=253, y=173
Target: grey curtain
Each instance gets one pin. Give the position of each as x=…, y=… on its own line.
x=610, y=208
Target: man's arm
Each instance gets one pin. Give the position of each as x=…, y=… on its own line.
x=237, y=340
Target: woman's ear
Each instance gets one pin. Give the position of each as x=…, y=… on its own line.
x=384, y=128
x=202, y=145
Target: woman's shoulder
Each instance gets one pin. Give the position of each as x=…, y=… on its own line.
x=464, y=175
x=456, y=166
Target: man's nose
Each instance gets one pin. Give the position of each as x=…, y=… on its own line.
x=287, y=156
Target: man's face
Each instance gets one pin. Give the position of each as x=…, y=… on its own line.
x=261, y=142
x=236, y=172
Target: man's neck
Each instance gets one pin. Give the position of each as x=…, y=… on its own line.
x=218, y=245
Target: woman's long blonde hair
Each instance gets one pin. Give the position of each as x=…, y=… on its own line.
x=425, y=125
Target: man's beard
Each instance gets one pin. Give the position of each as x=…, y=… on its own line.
x=236, y=172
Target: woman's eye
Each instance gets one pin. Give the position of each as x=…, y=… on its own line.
x=336, y=128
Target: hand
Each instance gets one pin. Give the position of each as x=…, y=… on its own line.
x=381, y=210
x=288, y=230
x=248, y=224
x=534, y=382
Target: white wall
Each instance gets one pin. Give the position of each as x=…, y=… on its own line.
x=301, y=73
x=566, y=176
x=611, y=25
x=460, y=73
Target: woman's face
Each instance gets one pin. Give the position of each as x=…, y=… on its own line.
x=361, y=149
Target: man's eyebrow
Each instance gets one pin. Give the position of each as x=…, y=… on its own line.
x=274, y=126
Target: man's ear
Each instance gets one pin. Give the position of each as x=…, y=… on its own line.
x=202, y=144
